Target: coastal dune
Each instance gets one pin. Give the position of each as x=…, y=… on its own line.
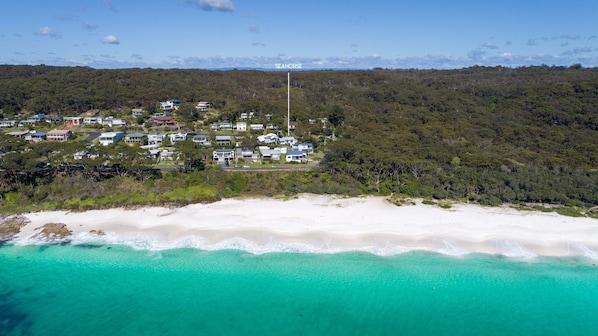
x=329, y=224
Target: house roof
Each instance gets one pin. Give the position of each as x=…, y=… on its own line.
x=58, y=132
x=296, y=152
x=135, y=135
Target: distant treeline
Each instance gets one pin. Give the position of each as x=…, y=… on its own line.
x=485, y=134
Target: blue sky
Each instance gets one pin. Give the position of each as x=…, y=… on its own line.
x=320, y=34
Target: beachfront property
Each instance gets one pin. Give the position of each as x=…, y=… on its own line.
x=306, y=147
x=165, y=154
x=296, y=156
x=248, y=155
x=223, y=156
x=154, y=150
x=270, y=154
x=110, y=138
x=59, y=135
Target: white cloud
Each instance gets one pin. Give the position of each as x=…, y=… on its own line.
x=532, y=42
x=47, y=31
x=219, y=5
x=137, y=56
x=258, y=44
x=110, y=39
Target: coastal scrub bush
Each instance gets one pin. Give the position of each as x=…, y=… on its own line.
x=193, y=194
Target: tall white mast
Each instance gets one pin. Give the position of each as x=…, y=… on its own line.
x=289, y=103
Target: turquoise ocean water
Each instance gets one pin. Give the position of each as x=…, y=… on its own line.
x=117, y=290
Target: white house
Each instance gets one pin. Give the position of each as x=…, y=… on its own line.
x=246, y=115
x=92, y=120
x=223, y=156
x=113, y=122
x=137, y=112
x=201, y=139
x=223, y=140
x=269, y=154
x=202, y=106
x=241, y=126
x=287, y=141
x=111, y=138
x=268, y=139
x=7, y=123
x=155, y=139
x=170, y=105
x=306, y=147
x=176, y=137
x=256, y=127
x=296, y=156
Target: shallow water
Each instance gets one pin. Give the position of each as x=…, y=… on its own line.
x=110, y=289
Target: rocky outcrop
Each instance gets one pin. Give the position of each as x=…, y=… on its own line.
x=54, y=232
x=10, y=226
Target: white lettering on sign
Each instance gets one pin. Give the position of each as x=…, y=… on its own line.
x=288, y=66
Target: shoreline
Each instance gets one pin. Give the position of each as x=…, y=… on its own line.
x=328, y=224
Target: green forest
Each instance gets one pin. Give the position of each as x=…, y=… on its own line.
x=489, y=135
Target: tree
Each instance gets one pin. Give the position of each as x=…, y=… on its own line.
x=192, y=155
x=336, y=116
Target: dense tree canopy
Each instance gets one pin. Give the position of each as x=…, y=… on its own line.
x=487, y=134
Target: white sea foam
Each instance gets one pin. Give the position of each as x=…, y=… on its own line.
x=514, y=249
x=380, y=247
x=584, y=251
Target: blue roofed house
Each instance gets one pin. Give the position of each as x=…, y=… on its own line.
x=201, y=139
x=35, y=137
x=306, y=147
x=296, y=156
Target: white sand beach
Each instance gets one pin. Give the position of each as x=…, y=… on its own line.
x=328, y=224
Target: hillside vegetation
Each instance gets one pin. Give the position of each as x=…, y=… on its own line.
x=488, y=135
